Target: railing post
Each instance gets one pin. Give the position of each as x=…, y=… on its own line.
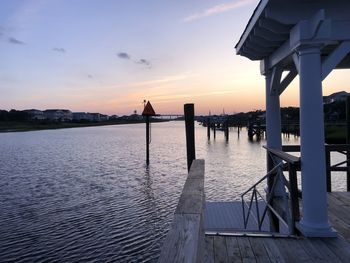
x=190, y=138
x=348, y=141
x=294, y=199
x=274, y=221
x=328, y=169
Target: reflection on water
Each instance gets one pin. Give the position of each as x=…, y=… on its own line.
x=85, y=194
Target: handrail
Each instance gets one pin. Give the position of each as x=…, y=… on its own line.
x=280, y=160
x=283, y=155
x=185, y=239
x=329, y=148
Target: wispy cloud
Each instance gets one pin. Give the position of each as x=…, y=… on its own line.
x=90, y=76
x=15, y=41
x=218, y=9
x=144, y=62
x=123, y=55
x=126, y=56
x=59, y=49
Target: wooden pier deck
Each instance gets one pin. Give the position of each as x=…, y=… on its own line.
x=220, y=248
x=194, y=238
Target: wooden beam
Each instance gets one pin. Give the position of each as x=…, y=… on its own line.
x=334, y=58
x=269, y=35
x=287, y=80
x=274, y=26
x=275, y=80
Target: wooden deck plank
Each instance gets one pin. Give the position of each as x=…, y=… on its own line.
x=344, y=197
x=260, y=253
x=285, y=250
x=273, y=251
x=309, y=247
x=339, y=247
x=341, y=227
x=220, y=250
x=247, y=253
x=325, y=252
x=228, y=217
x=291, y=250
x=209, y=250
x=234, y=254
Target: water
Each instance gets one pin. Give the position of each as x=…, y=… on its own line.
x=85, y=194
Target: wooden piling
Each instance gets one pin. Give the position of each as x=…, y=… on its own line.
x=147, y=112
x=214, y=130
x=348, y=140
x=190, y=138
x=226, y=130
x=208, y=128
x=147, y=140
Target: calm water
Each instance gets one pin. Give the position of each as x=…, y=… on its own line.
x=85, y=194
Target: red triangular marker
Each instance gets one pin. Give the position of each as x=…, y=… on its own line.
x=148, y=110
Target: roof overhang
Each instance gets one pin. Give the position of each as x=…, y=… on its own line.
x=278, y=27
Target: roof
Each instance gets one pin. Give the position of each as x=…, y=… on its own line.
x=272, y=21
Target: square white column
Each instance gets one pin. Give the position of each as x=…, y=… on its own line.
x=314, y=222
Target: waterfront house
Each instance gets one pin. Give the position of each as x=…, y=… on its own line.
x=35, y=114
x=58, y=115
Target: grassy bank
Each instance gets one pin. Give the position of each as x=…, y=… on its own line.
x=32, y=126
x=335, y=134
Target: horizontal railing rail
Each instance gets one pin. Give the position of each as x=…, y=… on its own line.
x=343, y=149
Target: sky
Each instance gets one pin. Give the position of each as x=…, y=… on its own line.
x=108, y=56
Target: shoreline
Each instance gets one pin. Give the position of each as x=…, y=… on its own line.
x=10, y=127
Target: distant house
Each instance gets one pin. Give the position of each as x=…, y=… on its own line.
x=58, y=115
x=134, y=117
x=35, y=114
x=104, y=117
x=335, y=97
x=82, y=116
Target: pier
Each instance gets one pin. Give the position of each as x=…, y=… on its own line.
x=278, y=218
x=192, y=237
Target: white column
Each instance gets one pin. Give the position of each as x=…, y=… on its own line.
x=273, y=117
x=313, y=169
x=273, y=127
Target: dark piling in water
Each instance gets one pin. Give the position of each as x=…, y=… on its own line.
x=190, y=139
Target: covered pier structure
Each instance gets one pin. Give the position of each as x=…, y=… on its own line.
x=309, y=39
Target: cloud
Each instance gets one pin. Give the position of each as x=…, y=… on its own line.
x=90, y=76
x=123, y=55
x=126, y=56
x=218, y=9
x=59, y=49
x=144, y=62
x=15, y=41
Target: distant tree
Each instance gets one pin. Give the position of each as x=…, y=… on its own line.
x=4, y=115
x=15, y=115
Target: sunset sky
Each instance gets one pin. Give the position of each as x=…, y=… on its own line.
x=108, y=56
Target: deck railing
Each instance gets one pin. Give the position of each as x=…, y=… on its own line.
x=343, y=149
x=287, y=210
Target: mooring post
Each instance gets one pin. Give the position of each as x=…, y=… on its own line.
x=190, y=139
x=226, y=129
x=214, y=130
x=147, y=140
x=208, y=128
x=348, y=140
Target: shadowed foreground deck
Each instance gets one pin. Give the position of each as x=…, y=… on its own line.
x=270, y=249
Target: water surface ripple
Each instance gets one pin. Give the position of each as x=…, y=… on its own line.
x=85, y=194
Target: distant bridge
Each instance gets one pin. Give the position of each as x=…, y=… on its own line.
x=169, y=116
